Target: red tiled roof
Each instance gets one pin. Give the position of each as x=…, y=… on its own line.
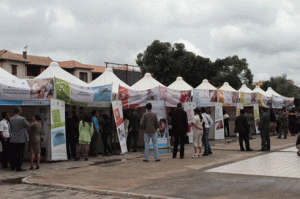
x=7, y=55
x=74, y=64
x=98, y=69
x=38, y=60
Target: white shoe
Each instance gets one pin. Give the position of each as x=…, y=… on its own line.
x=195, y=155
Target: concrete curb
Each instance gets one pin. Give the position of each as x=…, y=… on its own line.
x=96, y=191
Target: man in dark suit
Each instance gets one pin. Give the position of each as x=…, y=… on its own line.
x=242, y=128
x=180, y=127
x=264, y=125
x=19, y=137
x=134, y=126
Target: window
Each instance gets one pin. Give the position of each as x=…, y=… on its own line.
x=83, y=76
x=14, y=70
x=33, y=71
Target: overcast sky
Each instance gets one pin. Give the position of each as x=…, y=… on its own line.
x=266, y=33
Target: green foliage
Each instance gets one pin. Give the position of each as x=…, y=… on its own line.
x=281, y=85
x=166, y=62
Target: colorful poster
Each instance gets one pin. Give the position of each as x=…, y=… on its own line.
x=41, y=88
x=280, y=101
x=228, y=98
x=248, y=99
x=204, y=98
x=256, y=117
x=239, y=106
x=219, y=122
x=264, y=101
x=118, y=115
x=58, y=132
x=189, y=109
x=173, y=97
x=69, y=92
x=14, y=89
x=159, y=108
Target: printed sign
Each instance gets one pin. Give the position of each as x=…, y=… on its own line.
x=219, y=122
x=118, y=115
x=204, y=98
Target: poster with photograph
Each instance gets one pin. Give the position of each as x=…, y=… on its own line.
x=119, y=120
x=228, y=98
x=58, y=132
x=173, y=97
x=264, y=101
x=189, y=109
x=42, y=89
x=239, y=106
x=219, y=122
x=204, y=98
x=256, y=117
x=279, y=102
x=248, y=99
x=159, y=108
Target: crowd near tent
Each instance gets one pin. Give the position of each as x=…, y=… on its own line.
x=56, y=91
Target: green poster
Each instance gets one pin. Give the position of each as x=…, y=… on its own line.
x=63, y=90
x=242, y=98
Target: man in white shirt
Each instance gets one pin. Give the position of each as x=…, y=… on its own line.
x=5, y=138
x=208, y=122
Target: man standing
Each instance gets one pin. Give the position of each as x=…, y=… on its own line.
x=242, y=128
x=180, y=128
x=133, y=130
x=149, y=123
x=95, y=138
x=19, y=136
x=5, y=138
x=264, y=125
x=208, y=122
x=71, y=137
x=282, y=117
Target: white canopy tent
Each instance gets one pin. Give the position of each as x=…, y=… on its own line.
x=6, y=75
x=245, y=89
x=227, y=87
x=271, y=92
x=54, y=70
x=205, y=85
x=259, y=90
x=147, y=82
x=180, y=85
x=108, y=77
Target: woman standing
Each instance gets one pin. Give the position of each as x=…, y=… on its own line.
x=105, y=123
x=293, y=122
x=35, y=140
x=198, y=132
x=273, y=121
x=86, y=130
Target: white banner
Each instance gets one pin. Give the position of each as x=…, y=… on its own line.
x=118, y=114
x=58, y=132
x=14, y=89
x=189, y=109
x=219, y=122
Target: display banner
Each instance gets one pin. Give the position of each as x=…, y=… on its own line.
x=14, y=89
x=189, y=109
x=132, y=98
x=25, y=102
x=118, y=115
x=58, y=132
x=69, y=92
x=280, y=101
x=219, y=122
x=159, y=108
x=228, y=98
x=239, y=106
x=204, y=98
x=264, y=101
x=256, y=117
x=41, y=89
x=248, y=99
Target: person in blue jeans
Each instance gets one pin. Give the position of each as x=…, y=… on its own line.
x=208, y=122
x=149, y=123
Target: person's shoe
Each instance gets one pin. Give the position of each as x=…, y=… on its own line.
x=86, y=159
x=205, y=154
x=157, y=160
x=37, y=167
x=242, y=149
x=181, y=157
x=249, y=149
x=279, y=137
x=210, y=153
x=268, y=149
x=76, y=159
x=12, y=168
x=31, y=168
x=195, y=155
x=134, y=151
x=262, y=149
x=146, y=160
x=285, y=138
x=20, y=169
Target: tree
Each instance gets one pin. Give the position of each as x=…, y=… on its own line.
x=281, y=85
x=166, y=62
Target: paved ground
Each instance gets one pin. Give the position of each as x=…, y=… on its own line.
x=187, y=178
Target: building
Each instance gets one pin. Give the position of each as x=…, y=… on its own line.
x=26, y=66
x=258, y=83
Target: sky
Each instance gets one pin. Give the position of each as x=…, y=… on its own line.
x=266, y=33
